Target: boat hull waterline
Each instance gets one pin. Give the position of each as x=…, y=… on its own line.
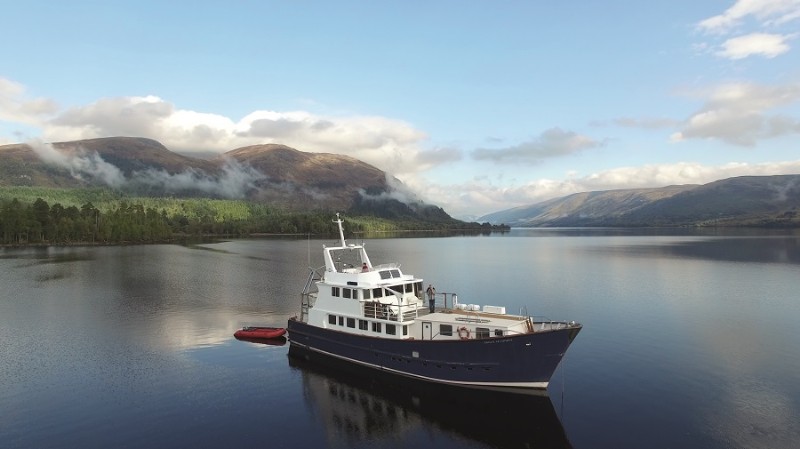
x=519, y=361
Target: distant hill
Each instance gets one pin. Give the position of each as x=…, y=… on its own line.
x=273, y=174
x=740, y=201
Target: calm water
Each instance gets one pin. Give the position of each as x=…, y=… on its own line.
x=689, y=342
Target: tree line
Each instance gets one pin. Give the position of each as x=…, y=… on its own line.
x=154, y=220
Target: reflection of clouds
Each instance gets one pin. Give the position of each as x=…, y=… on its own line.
x=203, y=328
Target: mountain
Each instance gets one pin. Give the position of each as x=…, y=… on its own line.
x=274, y=174
x=746, y=200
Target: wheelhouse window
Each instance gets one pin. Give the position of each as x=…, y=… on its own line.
x=335, y=291
x=446, y=329
x=409, y=288
x=367, y=293
x=377, y=293
x=481, y=332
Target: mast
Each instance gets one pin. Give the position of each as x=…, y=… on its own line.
x=341, y=231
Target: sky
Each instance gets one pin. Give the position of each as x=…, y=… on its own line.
x=476, y=106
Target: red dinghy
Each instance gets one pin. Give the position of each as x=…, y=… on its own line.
x=260, y=332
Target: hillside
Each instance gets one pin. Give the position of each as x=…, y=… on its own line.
x=746, y=201
x=268, y=174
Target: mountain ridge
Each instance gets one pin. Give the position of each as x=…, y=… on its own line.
x=737, y=201
x=268, y=173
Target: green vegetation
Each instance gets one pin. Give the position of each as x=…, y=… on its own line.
x=35, y=215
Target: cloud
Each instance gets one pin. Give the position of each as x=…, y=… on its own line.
x=552, y=143
x=438, y=156
x=15, y=107
x=385, y=143
x=761, y=19
x=767, y=45
x=736, y=113
x=82, y=166
x=397, y=191
x=234, y=181
x=765, y=12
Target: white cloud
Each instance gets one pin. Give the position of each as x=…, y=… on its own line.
x=760, y=19
x=15, y=107
x=767, y=45
x=765, y=12
x=553, y=142
x=391, y=145
x=736, y=113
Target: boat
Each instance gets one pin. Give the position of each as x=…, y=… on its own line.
x=256, y=332
x=376, y=316
x=276, y=341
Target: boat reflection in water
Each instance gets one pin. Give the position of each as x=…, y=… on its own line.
x=358, y=407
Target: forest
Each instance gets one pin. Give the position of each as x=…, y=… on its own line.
x=31, y=216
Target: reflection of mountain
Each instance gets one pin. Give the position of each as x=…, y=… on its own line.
x=358, y=407
x=761, y=249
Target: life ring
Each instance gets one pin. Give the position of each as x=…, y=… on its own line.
x=463, y=333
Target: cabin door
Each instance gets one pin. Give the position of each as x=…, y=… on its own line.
x=427, y=330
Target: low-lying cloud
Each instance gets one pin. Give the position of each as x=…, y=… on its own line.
x=234, y=180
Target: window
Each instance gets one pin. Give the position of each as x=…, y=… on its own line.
x=409, y=288
x=331, y=319
x=376, y=327
x=346, y=293
x=446, y=329
x=391, y=329
x=341, y=321
x=351, y=322
x=405, y=330
x=367, y=293
x=377, y=293
x=335, y=291
x=362, y=324
x=481, y=332
x=386, y=274
x=498, y=332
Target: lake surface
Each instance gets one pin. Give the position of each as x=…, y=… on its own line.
x=689, y=341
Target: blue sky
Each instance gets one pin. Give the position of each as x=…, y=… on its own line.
x=476, y=106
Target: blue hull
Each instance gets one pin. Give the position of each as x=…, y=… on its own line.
x=524, y=361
